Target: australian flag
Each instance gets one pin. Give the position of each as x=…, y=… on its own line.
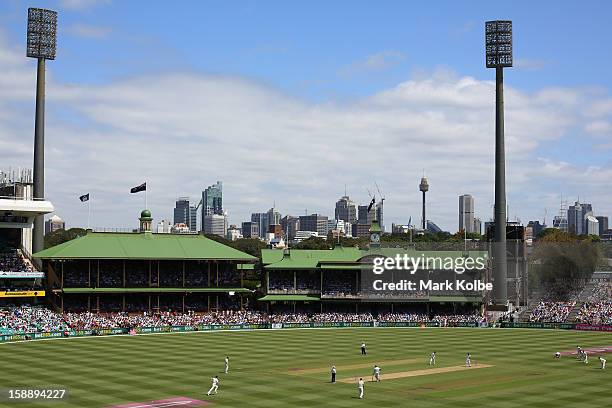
x=84, y=197
x=371, y=203
x=138, y=189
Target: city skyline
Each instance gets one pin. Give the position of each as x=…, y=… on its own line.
x=409, y=107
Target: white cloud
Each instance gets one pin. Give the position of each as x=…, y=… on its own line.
x=530, y=64
x=89, y=31
x=379, y=61
x=182, y=132
x=82, y=4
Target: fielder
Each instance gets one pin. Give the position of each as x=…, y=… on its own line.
x=363, y=349
x=333, y=374
x=579, y=352
x=557, y=355
x=360, y=385
x=585, y=357
x=215, y=385
x=376, y=373
x=603, y=363
x=468, y=360
x=432, y=359
x=226, y=364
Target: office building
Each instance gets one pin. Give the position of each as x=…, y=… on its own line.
x=346, y=210
x=466, y=213
x=274, y=216
x=212, y=201
x=53, y=224
x=261, y=219
x=215, y=224
x=314, y=222
x=250, y=229
x=290, y=226
x=576, y=217
x=185, y=213
x=591, y=225
x=164, y=227
x=536, y=228
x=304, y=235
x=477, y=226
x=603, y=224
x=233, y=233
x=364, y=216
x=433, y=228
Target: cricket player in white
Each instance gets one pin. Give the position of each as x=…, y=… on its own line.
x=215, y=385
x=585, y=357
x=363, y=349
x=360, y=385
x=468, y=360
x=226, y=364
x=603, y=363
x=377, y=373
x=432, y=359
x=557, y=355
x=578, y=352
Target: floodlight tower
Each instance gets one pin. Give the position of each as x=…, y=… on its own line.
x=41, y=43
x=424, y=187
x=498, y=39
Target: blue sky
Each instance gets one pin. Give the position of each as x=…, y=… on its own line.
x=324, y=63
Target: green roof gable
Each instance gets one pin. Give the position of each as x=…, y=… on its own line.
x=111, y=245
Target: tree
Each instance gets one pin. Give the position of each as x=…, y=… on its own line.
x=313, y=243
x=60, y=236
x=249, y=245
x=560, y=257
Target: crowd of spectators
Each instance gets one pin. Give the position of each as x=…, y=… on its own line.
x=30, y=320
x=552, y=312
x=26, y=319
x=598, y=307
x=11, y=260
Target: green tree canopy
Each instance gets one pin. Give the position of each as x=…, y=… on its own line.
x=60, y=236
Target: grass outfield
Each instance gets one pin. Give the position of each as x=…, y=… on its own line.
x=290, y=368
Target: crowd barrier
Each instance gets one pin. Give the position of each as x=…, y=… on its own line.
x=212, y=327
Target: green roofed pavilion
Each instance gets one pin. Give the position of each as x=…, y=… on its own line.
x=111, y=245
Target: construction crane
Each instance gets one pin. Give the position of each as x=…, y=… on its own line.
x=382, y=202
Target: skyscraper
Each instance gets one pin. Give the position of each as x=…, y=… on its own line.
x=250, y=229
x=591, y=226
x=477, y=226
x=603, y=224
x=184, y=213
x=576, y=217
x=365, y=217
x=379, y=216
x=314, y=222
x=212, y=200
x=346, y=210
x=274, y=217
x=261, y=219
x=466, y=213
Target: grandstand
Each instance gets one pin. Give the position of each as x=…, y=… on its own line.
x=320, y=281
x=20, y=281
x=144, y=271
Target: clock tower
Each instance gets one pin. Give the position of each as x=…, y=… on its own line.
x=375, y=232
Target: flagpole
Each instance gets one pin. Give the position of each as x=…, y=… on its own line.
x=88, y=212
x=146, y=208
